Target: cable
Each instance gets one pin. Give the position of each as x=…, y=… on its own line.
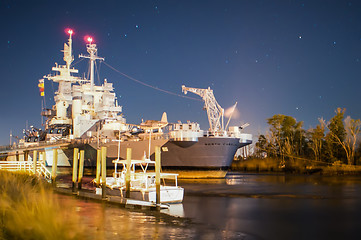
x=150, y=86
x=81, y=59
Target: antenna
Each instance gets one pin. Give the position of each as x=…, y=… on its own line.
x=68, y=57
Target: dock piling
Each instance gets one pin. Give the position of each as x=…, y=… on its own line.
x=54, y=166
x=35, y=158
x=81, y=168
x=26, y=155
x=127, y=174
x=43, y=158
x=75, y=168
x=157, y=174
x=104, y=171
x=97, y=175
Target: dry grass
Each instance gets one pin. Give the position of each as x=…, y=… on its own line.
x=30, y=210
x=257, y=165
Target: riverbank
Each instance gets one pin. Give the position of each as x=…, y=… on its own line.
x=29, y=210
x=272, y=165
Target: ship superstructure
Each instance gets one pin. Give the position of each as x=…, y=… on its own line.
x=80, y=105
x=88, y=116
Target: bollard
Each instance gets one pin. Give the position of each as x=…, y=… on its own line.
x=81, y=168
x=127, y=174
x=54, y=166
x=104, y=171
x=157, y=174
x=75, y=168
x=35, y=159
x=97, y=175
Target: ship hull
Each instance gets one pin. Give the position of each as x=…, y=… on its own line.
x=208, y=153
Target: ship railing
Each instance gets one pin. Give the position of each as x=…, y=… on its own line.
x=42, y=144
x=7, y=147
x=215, y=134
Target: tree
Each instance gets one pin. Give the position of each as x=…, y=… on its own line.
x=353, y=128
x=316, y=139
x=262, y=146
x=286, y=134
x=335, y=137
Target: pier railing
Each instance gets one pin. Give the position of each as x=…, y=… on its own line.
x=26, y=166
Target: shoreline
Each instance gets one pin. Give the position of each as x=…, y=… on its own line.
x=271, y=165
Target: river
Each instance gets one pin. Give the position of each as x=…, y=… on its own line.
x=241, y=206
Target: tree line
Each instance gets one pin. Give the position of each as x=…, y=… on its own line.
x=333, y=141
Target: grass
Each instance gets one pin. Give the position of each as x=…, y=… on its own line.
x=30, y=210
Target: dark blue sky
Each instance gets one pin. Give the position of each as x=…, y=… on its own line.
x=299, y=58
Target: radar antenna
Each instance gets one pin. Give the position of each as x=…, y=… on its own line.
x=214, y=111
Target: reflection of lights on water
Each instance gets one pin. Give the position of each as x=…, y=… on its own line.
x=235, y=181
x=175, y=210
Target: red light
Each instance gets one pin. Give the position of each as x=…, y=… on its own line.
x=69, y=31
x=88, y=39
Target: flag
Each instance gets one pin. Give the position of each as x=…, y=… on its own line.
x=41, y=87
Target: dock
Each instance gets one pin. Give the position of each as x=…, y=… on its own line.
x=76, y=186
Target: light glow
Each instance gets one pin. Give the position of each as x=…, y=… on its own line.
x=69, y=31
x=88, y=39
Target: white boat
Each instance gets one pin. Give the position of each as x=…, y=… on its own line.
x=143, y=182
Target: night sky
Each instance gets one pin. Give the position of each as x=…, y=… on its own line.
x=298, y=58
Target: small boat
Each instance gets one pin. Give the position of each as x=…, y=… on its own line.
x=143, y=182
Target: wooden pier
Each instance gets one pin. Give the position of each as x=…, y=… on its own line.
x=38, y=167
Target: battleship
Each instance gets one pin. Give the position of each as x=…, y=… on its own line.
x=87, y=116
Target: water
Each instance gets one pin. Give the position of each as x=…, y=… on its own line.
x=242, y=206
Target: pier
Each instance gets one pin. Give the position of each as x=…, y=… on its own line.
x=95, y=189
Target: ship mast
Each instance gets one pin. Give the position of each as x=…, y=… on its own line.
x=92, y=50
x=63, y=96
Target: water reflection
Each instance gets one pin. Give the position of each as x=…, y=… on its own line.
x=175, y=210
x=102, y=221
x=279, y=206
x=242, y=206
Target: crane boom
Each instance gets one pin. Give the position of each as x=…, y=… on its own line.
x=214, y=111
